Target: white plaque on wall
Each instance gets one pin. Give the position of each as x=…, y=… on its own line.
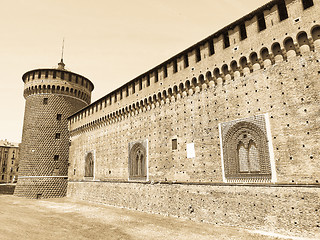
x=190, y=150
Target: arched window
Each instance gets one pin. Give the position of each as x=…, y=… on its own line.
x=89, y=164
x=137, y=161
x=246, y=150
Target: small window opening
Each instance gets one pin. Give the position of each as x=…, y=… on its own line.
x=156, y=78
x=307, y=3
x=261, y=21
x=62, y=75
x=70, y=77
x=165, y=71
x=175, y=66
x=148, y=80
x=186, y=60
x=127, y=91
x=211, y=47
x=174, y=144
x=54, y=75
x=243, y=31
x=39, y=74
x=45, y=101
x=226, y=40
x=140, y=84
x=46, y=74
x=59, y=116
x=198, y=54
x=120, y=94
x=133, y=88
x=57, y=135
x=56, y=157
x=282, y=10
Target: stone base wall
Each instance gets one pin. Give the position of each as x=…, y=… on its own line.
x=7, y=189
x=286, y=209
x=42, y=187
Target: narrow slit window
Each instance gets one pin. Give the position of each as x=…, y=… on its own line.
x=120, y=94
x=198, y=54
x=39, y=74
x=175, y=66
x=156, y=78
x=62, y=75
x=54, y=74
x=243, y=31
x=140, y=84
x=148, y=80
x=226, y=40
x=174, y=144
x=211, y=47
x=165, y=71
x=261, y=21
x=307, y=3
x=127, y=91
x=133, y=88
x=46, y=74
x=282, y=10
x=186, y=60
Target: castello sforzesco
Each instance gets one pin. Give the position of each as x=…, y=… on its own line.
x=225, y=132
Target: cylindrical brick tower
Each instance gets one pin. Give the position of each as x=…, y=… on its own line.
x=52, y=95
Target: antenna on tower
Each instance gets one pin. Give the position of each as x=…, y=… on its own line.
x=62, y=50
x=61, y=64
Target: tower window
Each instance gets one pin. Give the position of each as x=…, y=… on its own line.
x=174, y=144
x=211, y=47
x=226, y=40
x=148, y=80
x=186, y=60
x=59, y=116
x=54, y=75
x=243, y=31
x=56, y=157
x=175, y=66
x=140, y=84
x=57, y=135
x=261, y=21
x=133, y=88
x=70, y=77
x=127, y=91
x=307, y=3
x=46, y=74
x=198, y=54
x=156, y=77
x=45, y=101
x=39, y=74
x=62, y=75
x=165, y=71
x=282, y=10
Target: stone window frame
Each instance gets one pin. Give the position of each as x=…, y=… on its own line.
x=239, y=177
x=93, y=166
x=133, y=147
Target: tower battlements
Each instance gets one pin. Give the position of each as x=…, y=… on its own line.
x=57, y=81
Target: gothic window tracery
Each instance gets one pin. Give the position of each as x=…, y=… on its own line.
x=89, y=165
x=137, y=162
x=245, y=152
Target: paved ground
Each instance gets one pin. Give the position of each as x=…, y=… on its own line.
x=68, y=219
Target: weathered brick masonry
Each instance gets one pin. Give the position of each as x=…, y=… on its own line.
x=225, y=132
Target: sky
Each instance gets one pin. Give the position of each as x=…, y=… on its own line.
x=109, y=42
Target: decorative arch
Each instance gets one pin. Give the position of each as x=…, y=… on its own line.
x=276, y=49
x=138, y=160
x=264, y=53
x=89, y=164
x=315, y=32
x=289, y=44
x=302, y=39
x=245, y=151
